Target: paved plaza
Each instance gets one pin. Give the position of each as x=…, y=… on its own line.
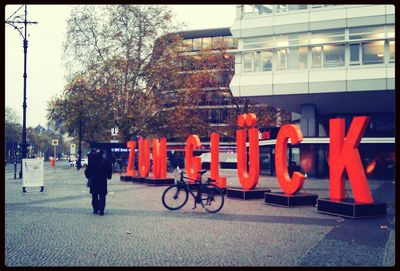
x=59, y=229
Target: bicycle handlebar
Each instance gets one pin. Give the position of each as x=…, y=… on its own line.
x=181, y=172
x=200, y=171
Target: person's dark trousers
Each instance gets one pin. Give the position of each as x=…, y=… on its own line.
x=98, y=202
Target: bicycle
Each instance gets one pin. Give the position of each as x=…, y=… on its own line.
x=208, y=194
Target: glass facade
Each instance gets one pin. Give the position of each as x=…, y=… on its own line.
x=251, y=10
x=366, y=32
x=297, y=58
x=190, y=45
x=317, y=56
x=373, y=52
x=334, y=55
x=326, y=49
x=345, y=51
x=392, y=48
x=196, y=44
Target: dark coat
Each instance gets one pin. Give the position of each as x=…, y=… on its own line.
x=101, y=170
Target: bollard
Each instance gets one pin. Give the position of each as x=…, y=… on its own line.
x=52, y=162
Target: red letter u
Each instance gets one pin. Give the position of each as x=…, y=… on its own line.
x=144, y=157
x=248, y=179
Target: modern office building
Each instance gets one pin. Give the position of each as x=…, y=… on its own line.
x=321, y=62
x=215, y=105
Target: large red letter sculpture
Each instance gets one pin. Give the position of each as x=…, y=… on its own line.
x=343, y=154
x=289, y=185
x=160, y=158
x=130, y=170
x=192, y=164
x=248, y=180
x=144, y=157
x=220, y=181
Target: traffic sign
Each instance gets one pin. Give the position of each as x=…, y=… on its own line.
x=54, y=142
x=73, y=149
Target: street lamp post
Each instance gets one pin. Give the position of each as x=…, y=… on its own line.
x=79, y=161
x=24, y=145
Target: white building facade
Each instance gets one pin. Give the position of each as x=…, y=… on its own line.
x=320, y=61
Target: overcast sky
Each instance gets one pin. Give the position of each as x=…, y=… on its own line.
x=44, y=67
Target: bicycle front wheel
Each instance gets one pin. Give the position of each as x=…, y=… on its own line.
x=212, y=198
x=175, y=197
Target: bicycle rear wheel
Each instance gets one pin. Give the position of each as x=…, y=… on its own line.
x=175, y=197
x=212, y=198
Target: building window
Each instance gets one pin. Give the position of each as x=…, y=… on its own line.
x=317, y=56
x=197, y=44
x=266, y=60
x=248, y=62
x=297, y=7
x=355, y=54
x=292, y=39
x=263, y=61
x=281, y=8
x=391, y=51
x=320, y=6
x=373, y=52
x=260, y=42
x=263, y=9
x=217, y=42
x=231, y=43
x=281, y=59
x=324, y=36
x=297, y=58
x=371, y=32
x=257, y=61
x=390, y=31
x=282, y=40
x=334, y=55
x=298, y=39
x=215, y=116
x=206, y=43
x=187, y=45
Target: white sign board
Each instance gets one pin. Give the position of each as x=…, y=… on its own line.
x=73, y=149
x=114, y=131
x=32, y=172
x=54, y=142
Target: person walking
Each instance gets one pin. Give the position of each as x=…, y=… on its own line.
x=98, y=171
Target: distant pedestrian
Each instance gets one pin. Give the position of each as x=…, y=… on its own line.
x=119, y=162
x=99, y=170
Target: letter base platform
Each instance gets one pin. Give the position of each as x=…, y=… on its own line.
x=137, y=179
x=159, y=181
x=284, y=200
x=350, y=209
x=125, y=178
x=240, y=193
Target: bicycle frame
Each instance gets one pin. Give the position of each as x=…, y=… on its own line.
x=184, y=185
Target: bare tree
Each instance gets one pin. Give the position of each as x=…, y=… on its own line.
x=108, y=50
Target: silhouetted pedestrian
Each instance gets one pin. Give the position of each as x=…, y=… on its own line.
x=99, y=170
